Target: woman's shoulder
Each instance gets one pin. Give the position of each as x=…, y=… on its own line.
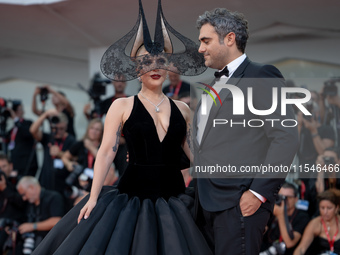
x=123, y=101
x=121, y=108
x=315, y=225
x=184, y=109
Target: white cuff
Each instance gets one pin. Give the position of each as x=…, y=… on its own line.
x=262, y=198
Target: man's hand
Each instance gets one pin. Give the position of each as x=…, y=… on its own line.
x=249, y=203
x=26, y=228
x=13, y=115
x=54, y=150
x=312, y=125
x=37, y=91
x=3, y=184
x=279, y=209
x=51, y=113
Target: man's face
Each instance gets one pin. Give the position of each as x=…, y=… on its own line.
x=174, y=78
x=330, y=158
x=6, y=167
x=119, y=86
x=20, y=111
x=215, y=53
x=29, y=193
x=290, y=198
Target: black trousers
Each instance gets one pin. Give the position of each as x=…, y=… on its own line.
x=229, y=233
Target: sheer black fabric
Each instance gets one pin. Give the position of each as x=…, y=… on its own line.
x=115, y=61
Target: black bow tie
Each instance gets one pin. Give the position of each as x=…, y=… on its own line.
x=225, y=72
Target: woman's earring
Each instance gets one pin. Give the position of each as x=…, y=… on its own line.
x=140, y=79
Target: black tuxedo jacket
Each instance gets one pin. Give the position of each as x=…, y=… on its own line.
x=245, y=146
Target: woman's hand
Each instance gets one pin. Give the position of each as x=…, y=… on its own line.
x=87, y=209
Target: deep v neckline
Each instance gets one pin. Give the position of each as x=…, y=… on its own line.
x=153, y=121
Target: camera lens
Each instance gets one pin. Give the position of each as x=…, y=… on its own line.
x=55, y=120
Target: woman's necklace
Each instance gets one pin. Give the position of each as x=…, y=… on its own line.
x=156, y=106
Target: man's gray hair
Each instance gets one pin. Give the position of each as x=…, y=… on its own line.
x=26, y=181
x=63, y=118
x=224, y=22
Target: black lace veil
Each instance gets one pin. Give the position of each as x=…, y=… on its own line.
x=117, y=65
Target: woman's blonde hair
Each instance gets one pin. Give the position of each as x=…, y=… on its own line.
x=91, y=123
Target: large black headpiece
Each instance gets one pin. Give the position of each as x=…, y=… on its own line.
x=117, y=65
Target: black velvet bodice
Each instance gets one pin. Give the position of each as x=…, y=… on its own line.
x=154, y=165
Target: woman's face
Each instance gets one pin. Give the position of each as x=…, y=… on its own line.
x=146, y=62
x=95, y=131
x=327, y=210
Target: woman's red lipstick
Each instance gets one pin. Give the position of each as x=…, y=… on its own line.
x=155, y=76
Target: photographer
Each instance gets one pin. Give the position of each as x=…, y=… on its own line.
x=83, y=154
x=60, y=102
x=21, y=144
x=278, y=232
x=314, y=139
x=330, y=158
x=101, y=108
x=11, y=204
x=97, y=89
x=53, y=173
x=44, y=210
x=330, y=105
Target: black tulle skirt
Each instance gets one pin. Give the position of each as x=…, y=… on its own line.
x=122, y=225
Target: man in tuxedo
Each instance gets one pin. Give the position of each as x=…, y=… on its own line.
x=233, y=212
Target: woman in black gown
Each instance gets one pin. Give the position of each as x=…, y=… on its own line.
x=148, y=212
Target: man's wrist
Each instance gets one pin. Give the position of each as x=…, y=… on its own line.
x=35, y=226
x=315, y=134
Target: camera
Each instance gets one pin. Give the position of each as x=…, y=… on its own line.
x=43, y=94
x=54, y=120
x=72, y=192
x=3, y=108
x=98, y=86
x=5, y=113
x=97, y=89
x=6, y=222
x=329, y=160
x=29, y=243
x=330, y=88
x=278, y=248
x=72, y=177
x=279, y=199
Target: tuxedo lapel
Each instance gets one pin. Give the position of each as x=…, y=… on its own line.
x=224, y=93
